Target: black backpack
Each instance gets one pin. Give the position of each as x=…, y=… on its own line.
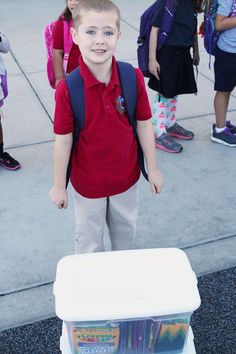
x=128, y=81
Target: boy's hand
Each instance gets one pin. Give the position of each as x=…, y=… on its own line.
x=155, y=180
x=154, y=68
x=59, y=197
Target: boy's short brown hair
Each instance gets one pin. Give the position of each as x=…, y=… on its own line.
x=96, y=5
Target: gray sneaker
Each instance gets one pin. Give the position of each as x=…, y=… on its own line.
x=179, y=132
x=166, y=143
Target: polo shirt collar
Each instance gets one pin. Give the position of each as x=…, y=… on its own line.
x=90, y=80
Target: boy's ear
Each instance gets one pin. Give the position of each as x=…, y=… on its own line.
x=74, y=35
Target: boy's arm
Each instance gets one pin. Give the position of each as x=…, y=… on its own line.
x=154, y=66
x=62, y=150
x=57, y=57
x=146, y=138
x=223, y=23
x=4, y=44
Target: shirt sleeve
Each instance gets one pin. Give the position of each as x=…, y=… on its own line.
x=58, y=35
x=156, y=22
x=224, y=7
x=63, y=116
x=143, y=109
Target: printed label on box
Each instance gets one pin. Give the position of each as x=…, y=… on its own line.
x=100, y=339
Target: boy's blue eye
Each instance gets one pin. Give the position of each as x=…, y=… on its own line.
x=91, y=32
x=109, y=33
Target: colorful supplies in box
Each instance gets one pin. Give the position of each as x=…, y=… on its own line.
x=126, y=302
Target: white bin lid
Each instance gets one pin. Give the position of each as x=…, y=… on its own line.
x=125, y=284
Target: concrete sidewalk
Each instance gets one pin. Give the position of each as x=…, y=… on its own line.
x=196, y=210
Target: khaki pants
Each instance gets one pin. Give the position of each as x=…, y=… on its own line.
x=118, y=212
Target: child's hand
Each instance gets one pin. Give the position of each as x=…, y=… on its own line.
x=154, y=68
x=59, y=197
x=196, y=57
x=155, y=180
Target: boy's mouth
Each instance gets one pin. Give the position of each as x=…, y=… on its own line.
x=99, y=50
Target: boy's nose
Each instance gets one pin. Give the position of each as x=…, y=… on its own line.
x=100, y=40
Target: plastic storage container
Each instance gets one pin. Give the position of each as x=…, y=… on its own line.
x=126, y=302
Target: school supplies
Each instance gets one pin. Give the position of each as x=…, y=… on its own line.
x=126, y=302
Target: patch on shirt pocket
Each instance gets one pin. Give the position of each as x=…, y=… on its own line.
x=120, y=105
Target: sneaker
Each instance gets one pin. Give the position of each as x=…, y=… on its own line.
x=231, y=126
x=166, y=143
x=226, y=137
x=8, y=162
x=179, y=132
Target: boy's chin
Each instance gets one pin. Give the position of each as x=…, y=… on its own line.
x=99, y=60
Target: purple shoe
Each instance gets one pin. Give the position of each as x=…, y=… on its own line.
x=226, y=137
x=230, y=126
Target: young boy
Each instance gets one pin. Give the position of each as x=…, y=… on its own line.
x=105, y=169
x=6, y=160
x=223, y=131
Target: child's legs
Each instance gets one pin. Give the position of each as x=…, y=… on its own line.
x=159, y=114
x=225, y=81
x=221, y=103
x=122, y=212
x=90, y=217
x=171, y=111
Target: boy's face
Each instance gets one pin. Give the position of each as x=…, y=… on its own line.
x=97, y=35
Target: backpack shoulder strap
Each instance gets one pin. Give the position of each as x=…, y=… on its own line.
x=128, y=82
x=68, y=41
x=75, y=85
x=129, y=88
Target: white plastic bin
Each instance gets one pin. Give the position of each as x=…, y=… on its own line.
x=126, y=302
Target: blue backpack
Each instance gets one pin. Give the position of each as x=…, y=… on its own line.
x=211, y=36
x=145, y=29
x=75, y=86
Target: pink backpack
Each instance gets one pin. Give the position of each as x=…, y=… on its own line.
x=48, y=39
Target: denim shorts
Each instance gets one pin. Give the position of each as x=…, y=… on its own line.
x=225, y=70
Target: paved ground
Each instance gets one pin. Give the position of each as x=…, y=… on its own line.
x=195, y=212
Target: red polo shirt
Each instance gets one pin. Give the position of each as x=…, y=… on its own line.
x=104, y=161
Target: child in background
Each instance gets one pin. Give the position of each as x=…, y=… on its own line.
x=59, y=44
x=105, y=167
x=225, y=72
x=6, y=160
x=172, y=72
